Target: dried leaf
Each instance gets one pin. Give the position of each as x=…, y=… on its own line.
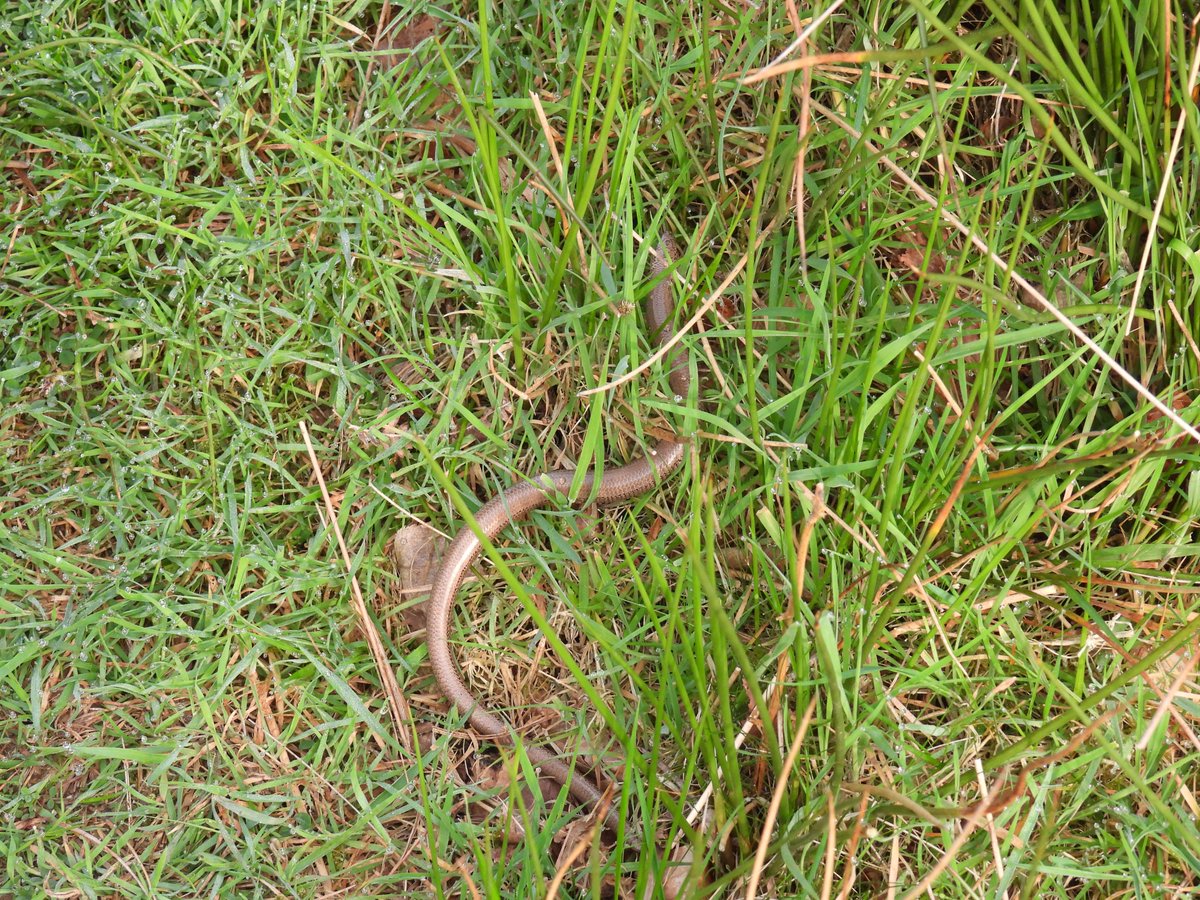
x=403, y=40
x=416, y=552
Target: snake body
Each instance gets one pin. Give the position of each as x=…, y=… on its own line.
x=615, y=486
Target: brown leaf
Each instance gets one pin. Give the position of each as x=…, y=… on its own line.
x=912, y=257
x=679, y=873
x=20, y=171
x=416, y=552
x=405, y=39
x=997, y=128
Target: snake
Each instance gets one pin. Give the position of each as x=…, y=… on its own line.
x=612, y=486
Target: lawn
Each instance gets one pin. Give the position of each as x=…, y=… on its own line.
x=288, y=290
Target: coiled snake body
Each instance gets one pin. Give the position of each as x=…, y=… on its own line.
x=616, y=485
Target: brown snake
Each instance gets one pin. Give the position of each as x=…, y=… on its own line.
x=616, y=485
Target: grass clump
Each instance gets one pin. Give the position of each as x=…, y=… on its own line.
x=920, y=612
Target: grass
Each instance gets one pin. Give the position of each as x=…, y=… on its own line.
x=966, y=578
